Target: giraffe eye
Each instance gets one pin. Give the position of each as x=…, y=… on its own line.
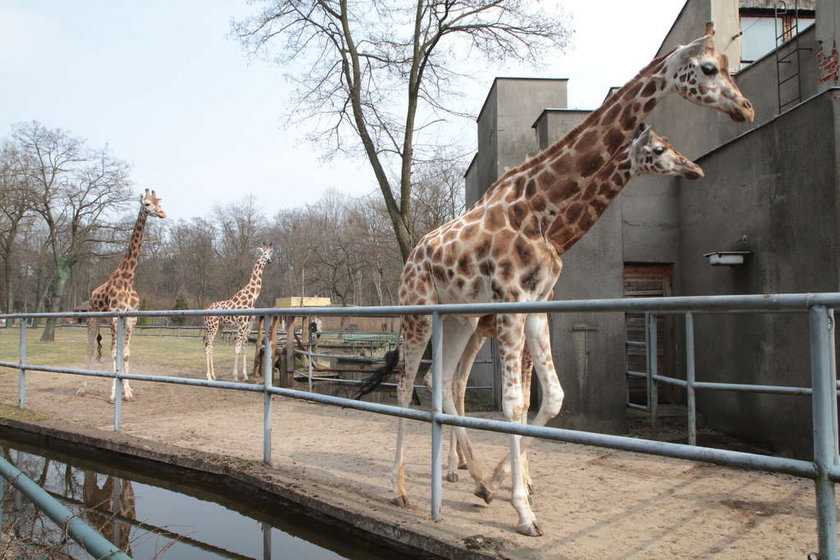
x=659, y=150
x=709, y=69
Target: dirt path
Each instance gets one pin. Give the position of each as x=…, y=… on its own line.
x=591, y=503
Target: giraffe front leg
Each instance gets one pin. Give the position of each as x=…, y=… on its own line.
x=511, y=335
x=210, y=328
x=417, y=331
x=128, y=394
x=237, y=354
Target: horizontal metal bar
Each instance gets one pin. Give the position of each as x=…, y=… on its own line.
x=390, y=410
x=631, y=373
x=834, y=473
x=744, y=387
x=754, y=303
x=671, y=380
x=97, y=545
x=635, y=406
x=639, y=343
x=676, y=450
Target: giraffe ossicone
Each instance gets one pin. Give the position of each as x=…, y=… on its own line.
x=501, y=249
x=118, y=294
x=243, y=299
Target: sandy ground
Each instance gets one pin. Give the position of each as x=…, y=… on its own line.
x=591, y=503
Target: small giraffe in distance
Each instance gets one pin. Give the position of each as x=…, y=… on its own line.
x=118, y=294
x=243, y=299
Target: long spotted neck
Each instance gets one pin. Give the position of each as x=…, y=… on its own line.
x=586, y=207
x=132, y=254
x=565, y=167
x=249, y=294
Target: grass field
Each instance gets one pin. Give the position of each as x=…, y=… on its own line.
x=148, y=352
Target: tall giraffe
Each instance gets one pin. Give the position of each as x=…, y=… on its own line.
x=499, y=251
x=243, y=299
x=118, y=294
x=648, y=154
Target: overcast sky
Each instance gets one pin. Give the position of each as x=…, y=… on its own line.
x=172, y=93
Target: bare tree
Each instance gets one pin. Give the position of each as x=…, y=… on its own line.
x=74, y=190
x=240, y=227
x=15, y=208
x=193, y=253
x=381, y=71
x=438, y=192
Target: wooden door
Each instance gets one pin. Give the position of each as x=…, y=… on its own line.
x=648, y=280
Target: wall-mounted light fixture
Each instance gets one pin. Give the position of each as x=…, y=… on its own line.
x=726, y=258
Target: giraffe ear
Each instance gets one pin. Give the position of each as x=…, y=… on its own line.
x=697, y=47
x=710, y=28
x=644, y=135
x=642, y=127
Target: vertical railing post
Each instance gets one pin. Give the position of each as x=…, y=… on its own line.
x=832, y=353
x=652, y=351
x=825, y=436
x=118, y=392
x=22, y=375
x=437, y=403
x=309, y=361
x=266, y=534
x=268, y=354
x=690, y=375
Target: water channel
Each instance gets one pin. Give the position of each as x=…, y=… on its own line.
x=152, y=516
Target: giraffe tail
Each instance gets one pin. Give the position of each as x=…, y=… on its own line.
x=98, y=346
x=379, y=375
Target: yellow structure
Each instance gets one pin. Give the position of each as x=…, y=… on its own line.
x=297, y=301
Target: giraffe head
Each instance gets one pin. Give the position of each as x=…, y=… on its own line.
x=265, y=249
x=151, y=204
x=701, y=74
x=653, y=154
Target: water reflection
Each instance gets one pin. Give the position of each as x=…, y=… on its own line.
x=109, y=508
x=157, y=519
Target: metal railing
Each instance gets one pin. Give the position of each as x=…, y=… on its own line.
x=823, y=469
x=81, y=532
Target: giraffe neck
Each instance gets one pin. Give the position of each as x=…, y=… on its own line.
x=545, y=182
x=586, y=207
x=249, y=294
x=132, y=254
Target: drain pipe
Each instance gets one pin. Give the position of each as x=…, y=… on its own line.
x=97, y=545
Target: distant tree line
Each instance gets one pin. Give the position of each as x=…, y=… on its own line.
x=66, y=213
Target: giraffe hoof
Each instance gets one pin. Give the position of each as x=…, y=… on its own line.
x=529, y=530
x=401, y=501
x=462, y=466
x=80, y=392
x=451, y=477
x=484, y=493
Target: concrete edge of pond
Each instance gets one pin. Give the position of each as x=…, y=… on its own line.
x=252, y=477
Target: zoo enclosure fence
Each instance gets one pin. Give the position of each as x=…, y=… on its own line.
x=824, y=469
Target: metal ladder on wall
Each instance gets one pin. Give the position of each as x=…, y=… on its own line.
x=787, y=64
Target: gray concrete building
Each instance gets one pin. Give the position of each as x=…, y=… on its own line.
x=771, y=189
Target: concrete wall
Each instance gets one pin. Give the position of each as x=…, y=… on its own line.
x=772, y=192
x=506, y=138
x=588, y=349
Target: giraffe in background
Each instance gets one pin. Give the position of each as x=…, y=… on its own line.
x=243, y=299
x=118, y=294
x=499, y=249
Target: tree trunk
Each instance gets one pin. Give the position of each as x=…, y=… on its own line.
x=62, y=274
x=8, y=287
